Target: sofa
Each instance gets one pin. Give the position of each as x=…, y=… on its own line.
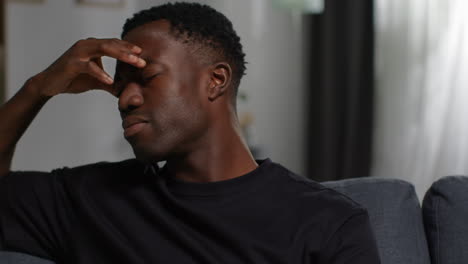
x=406, y=233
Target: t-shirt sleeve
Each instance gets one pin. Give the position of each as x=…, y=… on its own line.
x=352, y=243
x=34, y=214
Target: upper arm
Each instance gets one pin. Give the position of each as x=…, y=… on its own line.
x=352, y=243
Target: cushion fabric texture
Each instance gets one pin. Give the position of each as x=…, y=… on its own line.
x=20, y=258
x=445, y=211
x=395, y=215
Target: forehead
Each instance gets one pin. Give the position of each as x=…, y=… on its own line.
x=156, y=41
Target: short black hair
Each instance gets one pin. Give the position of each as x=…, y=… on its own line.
x=200, y=24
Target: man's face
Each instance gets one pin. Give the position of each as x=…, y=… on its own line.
x=164, y=105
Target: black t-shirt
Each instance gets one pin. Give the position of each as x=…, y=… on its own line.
x=125, y=212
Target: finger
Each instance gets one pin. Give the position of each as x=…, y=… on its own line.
x=93, y=69
x=98, y=61
x=130, y=47
x=118, y=49
x=104, y=86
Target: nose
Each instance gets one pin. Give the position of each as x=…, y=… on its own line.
x=130, y=98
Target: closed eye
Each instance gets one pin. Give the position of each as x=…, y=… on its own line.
x=147, y=79
x=119, y=83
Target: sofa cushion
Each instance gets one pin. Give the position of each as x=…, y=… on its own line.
x=445, y=211
x=20, y=258
x=395, y=215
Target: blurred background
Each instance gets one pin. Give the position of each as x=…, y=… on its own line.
x=334, y=89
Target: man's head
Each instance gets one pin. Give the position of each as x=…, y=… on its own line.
x=208, y=32
x=185, y=95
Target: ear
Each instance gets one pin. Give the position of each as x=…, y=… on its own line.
x=220, y=80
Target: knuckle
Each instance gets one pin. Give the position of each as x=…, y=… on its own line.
x=71, y=67
x=89, y=67
x=75, y=53
x=82, y=42
x=104, y=46
x=79, y=43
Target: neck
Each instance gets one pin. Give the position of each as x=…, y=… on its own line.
x=222, y=154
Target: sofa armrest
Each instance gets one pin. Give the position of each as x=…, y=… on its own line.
x=445, y=210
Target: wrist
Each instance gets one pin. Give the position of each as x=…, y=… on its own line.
x=34, y=87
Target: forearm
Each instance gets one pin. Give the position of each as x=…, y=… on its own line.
x=78, y=70
x=15, y=117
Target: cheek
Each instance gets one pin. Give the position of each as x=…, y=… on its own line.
x=177, y=114
x=179, y=102
x=188, y=98
x=189, y=111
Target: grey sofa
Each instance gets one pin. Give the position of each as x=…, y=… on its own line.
x=437, y=233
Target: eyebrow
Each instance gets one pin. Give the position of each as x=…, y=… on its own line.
x=150, y=60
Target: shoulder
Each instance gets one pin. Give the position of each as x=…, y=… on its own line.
x=315, y=199
x=100, y=173
x=323, y=211
x=100, y=167
x=73, y=177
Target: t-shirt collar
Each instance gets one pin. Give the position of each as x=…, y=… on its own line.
x=243, y=183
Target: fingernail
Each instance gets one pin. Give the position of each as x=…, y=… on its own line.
x=141, y=62
x=136, y=49
x=109, y=80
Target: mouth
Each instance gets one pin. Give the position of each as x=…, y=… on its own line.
x=132, y=125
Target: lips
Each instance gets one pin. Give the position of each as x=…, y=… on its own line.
x=133, y=125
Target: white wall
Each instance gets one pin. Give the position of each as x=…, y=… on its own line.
x=71, y=129
x=274, y=83
x=74, y=130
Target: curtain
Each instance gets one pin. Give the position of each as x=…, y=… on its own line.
x=421, y=128
x=2, y=51
x=340, y=99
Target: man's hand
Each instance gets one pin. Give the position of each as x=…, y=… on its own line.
x=80, y=69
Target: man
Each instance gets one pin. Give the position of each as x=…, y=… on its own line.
x=179, y=67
